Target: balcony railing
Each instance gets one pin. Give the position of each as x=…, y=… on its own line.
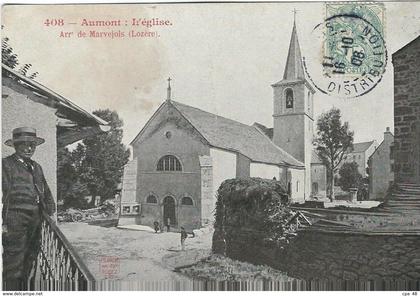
x=59, y=267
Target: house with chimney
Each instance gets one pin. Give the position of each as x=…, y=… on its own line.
x=381, y=167
x=360, y=153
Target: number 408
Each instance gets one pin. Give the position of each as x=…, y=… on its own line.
x=54, y=22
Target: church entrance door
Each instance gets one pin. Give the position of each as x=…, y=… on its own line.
x=315, y=188
x=169, y=210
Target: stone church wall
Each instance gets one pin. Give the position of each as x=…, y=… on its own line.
x=266, y=171
x=207, y=191
x=224, y=167
x=243, y=166
x=407, y=113
x=169, y=134
x=298, y=185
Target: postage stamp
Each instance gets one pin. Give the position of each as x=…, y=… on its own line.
x=354, y=54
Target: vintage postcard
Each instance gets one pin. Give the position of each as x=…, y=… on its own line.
x=209, y=146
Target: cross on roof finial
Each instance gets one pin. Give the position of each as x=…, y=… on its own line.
x=168, y=97
x=294, y=15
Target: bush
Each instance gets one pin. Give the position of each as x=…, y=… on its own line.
x=349, y=176
x=255, y=208
x=75, y=202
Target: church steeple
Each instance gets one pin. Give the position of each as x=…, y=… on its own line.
x=293, y=111
x=294, y=67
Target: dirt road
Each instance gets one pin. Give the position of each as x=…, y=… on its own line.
x=129, y=255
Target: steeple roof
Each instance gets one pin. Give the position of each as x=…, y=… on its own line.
x=294, y=67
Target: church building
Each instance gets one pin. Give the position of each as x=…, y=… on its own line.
x=183, y=154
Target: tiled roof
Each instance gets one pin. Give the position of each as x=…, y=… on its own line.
x=360, y=147
x=268, y=131
x=224, y=133
x=315, y=158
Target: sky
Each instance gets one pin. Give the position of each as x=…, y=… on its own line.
x=221, y=57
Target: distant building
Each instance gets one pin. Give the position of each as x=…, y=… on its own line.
x=360, y=155
x=183, y=154
x=381, y=168
x=318, y=177
x=406, y=63
x=56, y=119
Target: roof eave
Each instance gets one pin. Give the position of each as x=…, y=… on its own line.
x=63, y=102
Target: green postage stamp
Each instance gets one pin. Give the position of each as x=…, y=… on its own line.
x=354, y=54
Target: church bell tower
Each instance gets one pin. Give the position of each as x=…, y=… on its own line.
x=293, y=110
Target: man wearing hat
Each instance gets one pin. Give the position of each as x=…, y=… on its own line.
x=25, y=195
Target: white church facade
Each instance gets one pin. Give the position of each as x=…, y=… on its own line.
x=183, y=154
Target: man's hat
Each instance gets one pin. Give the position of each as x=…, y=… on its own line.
x=24, y=134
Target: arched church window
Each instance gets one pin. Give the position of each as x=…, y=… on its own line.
x=169, y=163
x=151, y=199
x=289, y=98
x=187, y=201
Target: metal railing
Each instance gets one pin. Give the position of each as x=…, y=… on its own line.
x=59, y=267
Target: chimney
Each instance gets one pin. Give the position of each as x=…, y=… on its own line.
x=388, y=137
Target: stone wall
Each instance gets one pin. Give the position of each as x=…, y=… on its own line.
x=252, y=225
x=333, y=256
x=407, y=112
x=336, y=256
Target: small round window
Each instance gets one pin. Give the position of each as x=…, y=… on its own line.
x=168, y=134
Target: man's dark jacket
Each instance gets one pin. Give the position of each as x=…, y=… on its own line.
x=22, y=187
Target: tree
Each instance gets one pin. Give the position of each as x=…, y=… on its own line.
x=66, y=173
x=333, y=139
x=350, y=176
x=10, y=59
x=75, y=197
x=100, y=159
x=70, y=190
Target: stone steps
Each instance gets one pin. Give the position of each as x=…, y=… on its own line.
x=409, y=192
x=409, y=184
x=405, y=196
x=403, y=210
x=405, y=200
x=408, y=187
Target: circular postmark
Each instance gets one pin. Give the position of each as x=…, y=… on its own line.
x=353, y=56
